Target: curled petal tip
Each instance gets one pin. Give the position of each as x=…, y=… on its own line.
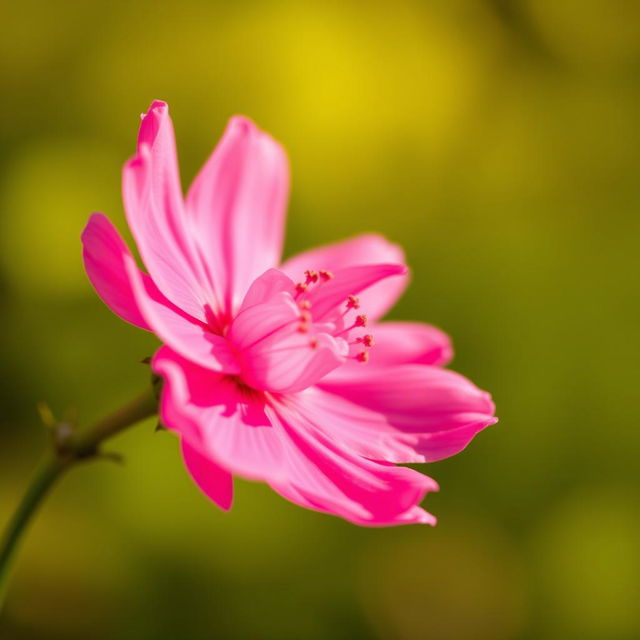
x=244, y=123
x=158, y=104
x=417, y=515
x=156, y=108
x=429, y=519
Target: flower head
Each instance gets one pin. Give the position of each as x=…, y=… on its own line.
x=281, y=373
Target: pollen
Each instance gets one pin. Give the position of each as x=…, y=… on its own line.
x=363, y=356
x=305, y=321
x=326, y=275
x=305, y=304
x=311, y=276
x=353, y=302
x=361, y=321
x=368, y=340
x=301, y=287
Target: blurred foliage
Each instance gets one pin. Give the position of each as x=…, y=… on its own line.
x=498, y=142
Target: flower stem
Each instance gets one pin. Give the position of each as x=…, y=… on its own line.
x=69, y=449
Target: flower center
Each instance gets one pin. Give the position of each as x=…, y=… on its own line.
x=288, y=336
x=344, y=322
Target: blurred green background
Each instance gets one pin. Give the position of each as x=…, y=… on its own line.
x=498, y=142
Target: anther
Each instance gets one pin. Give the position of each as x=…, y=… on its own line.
x=313, y=343
x=326, y=275
x=368, y=340
x=301, y=287
x=304, y=304
x=361, y=321
x=363, y=356
x=353, y=302
x=305, y=321
x=310, y=276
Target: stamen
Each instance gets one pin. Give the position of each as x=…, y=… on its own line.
x=367, y=340
x=353, y=302
x=363, y=356
x=311, y=276
x=304, y=304
x=361, y=321
x=305, y=321
x=326, y=275
x=313, y=343
x=301, y=287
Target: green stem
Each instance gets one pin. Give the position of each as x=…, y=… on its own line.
x=47, y=473
x=69, y=449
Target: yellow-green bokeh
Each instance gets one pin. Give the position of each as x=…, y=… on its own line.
x=498, y=143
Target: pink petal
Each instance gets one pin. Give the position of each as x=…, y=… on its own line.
x=410, y=342
x=220, y=419
x=405, y=413
x=237, y=429
x=237, y=204
x=134, y=297
x=323, y=476
x=256, y=322
x=213, y=480
x=288, y=363
x=330, y=296
x=271, y=283
x=361, y=250
x=155, y=213
x=103, y=253
x=273, y=354
x=188, y=336
x=401, y=343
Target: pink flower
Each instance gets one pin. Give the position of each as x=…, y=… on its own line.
x=282, y=374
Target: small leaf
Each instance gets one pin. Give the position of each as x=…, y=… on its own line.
x=46, y=415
